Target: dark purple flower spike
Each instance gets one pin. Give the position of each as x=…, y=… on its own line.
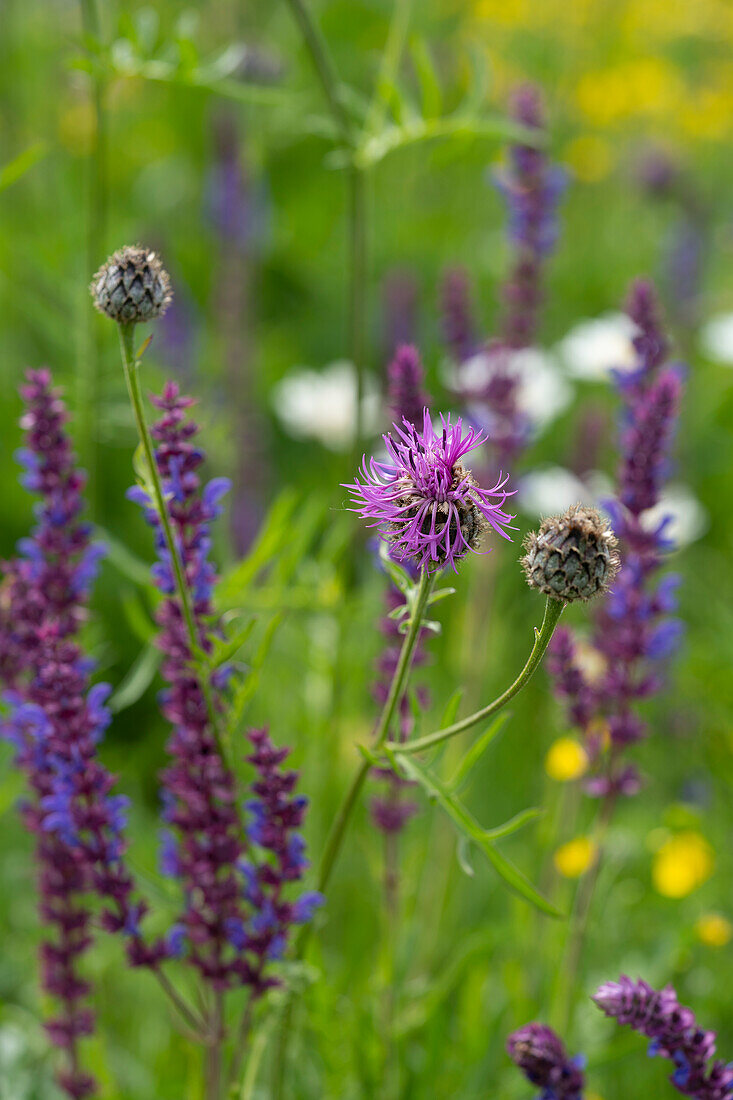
x=674, y=1034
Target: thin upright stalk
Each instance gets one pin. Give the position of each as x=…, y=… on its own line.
x=194, y=1021
x=131, y=366
x=553, y=610
x=96, y=232
x=356, y=198
x=570, y=968
x=213, y=1056
x=343, y=816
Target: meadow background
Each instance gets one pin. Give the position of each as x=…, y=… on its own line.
x=620, y=79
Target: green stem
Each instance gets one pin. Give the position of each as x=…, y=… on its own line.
x=569, y=970
x=88, y=372
x=131, y=365
x=213, y=1055
x=357, y=205
x=338, y=829
x=323, y=64
x=396, y=691
x=357, y=293
x=553, y=610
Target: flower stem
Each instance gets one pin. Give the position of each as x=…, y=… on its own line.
x=131, y=364
x=570, y=968
x=356, y=197
x=553, y=610
x=88, y=373
x=338, y=829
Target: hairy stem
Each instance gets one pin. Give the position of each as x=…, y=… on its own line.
x=553, y=610
x=131, y=365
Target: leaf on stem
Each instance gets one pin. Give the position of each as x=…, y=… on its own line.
x=476, y=751
x=482, y=838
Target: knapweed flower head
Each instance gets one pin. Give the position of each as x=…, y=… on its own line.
x=132, y=286
x=674, y=1034
x=542, y=1058
x=424, y=501
x=572, y=556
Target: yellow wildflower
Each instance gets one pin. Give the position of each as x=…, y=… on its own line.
x=682, y=864
x=574, y=858
x=714, y=930
x=566, y=760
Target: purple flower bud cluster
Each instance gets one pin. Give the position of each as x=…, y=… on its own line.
x=459, y=328
x=55, y=722
x=234, y=919
x=674, y=1034
x=407, y=399
x=635, y=629
x=542, y=1058
x=400, y=302
x=532, y=187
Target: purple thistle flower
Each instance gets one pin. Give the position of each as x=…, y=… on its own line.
x=407, y=399
x=633, y=630
x=55, y=723
x=234, y=917
x=541, y=1056
x=426, y=504
x=674, y=1034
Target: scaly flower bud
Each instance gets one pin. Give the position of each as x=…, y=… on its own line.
x=132, y=286
x=573, y=556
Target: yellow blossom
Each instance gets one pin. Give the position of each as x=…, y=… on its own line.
x=714, y=930
x=574, y=858
x=683, y=863
x=566, y=760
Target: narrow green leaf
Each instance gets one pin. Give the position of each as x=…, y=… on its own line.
x=514, y=824
x=476, y=751
x=138, y=679
x=430, y=90
x=224, y=649
x=463, y=849
x=124, y=561
x=13, y=171
x=467, y=824
x=451, y=708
